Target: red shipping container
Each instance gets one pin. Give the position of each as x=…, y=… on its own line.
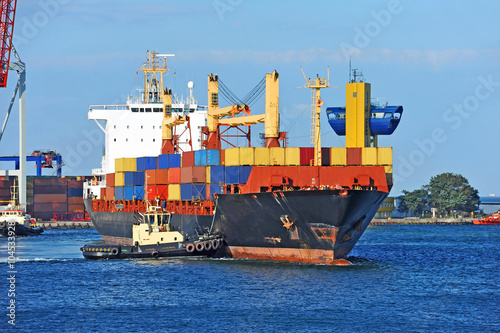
x=40, y=198
x=76, y=200
x=110, y=193
x=307, y=156
x=42, y=181
x=156, y=192
x=174, y=175
x=50, y=189
x=150, y=177
x=354, y=156
x=222, y=157
x=50, y=207
x=76, y=183
x=193, y=175
x=188, y=159
x=110, y=179
x=103, y=192
x=161, y=177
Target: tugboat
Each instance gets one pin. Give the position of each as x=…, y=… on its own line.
x=15, y=222
x=493, y=219
x=154, y=236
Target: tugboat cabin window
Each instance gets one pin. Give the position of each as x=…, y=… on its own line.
x=142, y=109
x=151, y=219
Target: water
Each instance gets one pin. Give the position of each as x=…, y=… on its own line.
x=404, y=278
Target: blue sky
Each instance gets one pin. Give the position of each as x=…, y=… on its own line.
x=440, y=60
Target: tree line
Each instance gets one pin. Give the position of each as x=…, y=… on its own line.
x=447, y=192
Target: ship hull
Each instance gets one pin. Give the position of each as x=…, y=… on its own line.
x=302, y=226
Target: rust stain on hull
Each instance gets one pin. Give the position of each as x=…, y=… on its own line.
x=312, y=256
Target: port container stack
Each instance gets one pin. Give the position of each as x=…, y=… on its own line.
x=75, y=196
x=5, y=184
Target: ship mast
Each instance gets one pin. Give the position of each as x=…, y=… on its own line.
x=316, y=85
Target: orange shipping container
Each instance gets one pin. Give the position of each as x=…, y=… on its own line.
x=75, y=200
x=39, y=198
x=193, y=175
x=76, y=208
x=150, y=176
x=174, y=176
x=161, y=177
x=110, y=179
x=110, y=193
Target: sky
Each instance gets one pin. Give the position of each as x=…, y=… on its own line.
x=440, y=60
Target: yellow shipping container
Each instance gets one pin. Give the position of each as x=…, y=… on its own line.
x=119, y=179
x=388, y=168
x=262, y=156
x=384, y=155
x=369, y=156
x=232, y=157
x=246, y=156
x=292, y=156
x=208, y=175
x=277, y=156
x=125, y=164
x=119, y=164
x=174, y=192
x=338, y=156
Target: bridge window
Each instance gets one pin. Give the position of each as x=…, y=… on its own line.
x=397, y=115
x=157, y=110
x=388, y=115
x=142, y=109
x=135, y=109
x=148, y=109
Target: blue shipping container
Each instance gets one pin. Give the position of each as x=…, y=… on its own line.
x=119, y=193
x=138, y=192
x=163, y=161
x=140, y=163
x=193, y=192
x=213, y=157
x=174, y=160
x=151, y=163
x=138, y=178
x=232, y=174
x=244, y=174
x=128, y=178
x=128, y=193
x=200, y=158
x=75, y=192
x=217, y=174
x=215, y=188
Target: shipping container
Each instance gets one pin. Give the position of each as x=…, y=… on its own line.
x=75, y=192
x=353, y=156
x=277, y=156
x=50, y=181
x=213, y=157
x=188, y=159
x=232, y=174
x=129, y=178
x=79, y=200
x=384, y=156
x=369, y=156
x=139, y=178
x=174, y=192
x=110, y=179
x=161, y=177
x=128, y=193
x=261, y=156
x=76, y=208
x=5, y=192
x=51, y=189
x=163, y=161
x=151, y=163
x=174, y=161
x=40, y=198
x=207, y=172
x=119, y=190
x=110, y=193
x=75, y=184
x=156, y=192
x=338, y=156
x=222, y=157
x=292, y=156
x=325, y=156
x=174, y=176
x=120, y=179
x=102, y=192
x=150, y=176
x=193, y=192
x=6, y=183
x=138, y=192
x=214, y=188
x=193, y=175
x=50, y=207
x=307, y=156
x=140, y=163
x=244, y=173
x=217, y=174
x=200, y=158
x=247, y=156
x=388, y=169
x=125, y=164
x=232, y=156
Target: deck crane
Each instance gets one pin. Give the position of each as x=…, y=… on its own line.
x=7, y=16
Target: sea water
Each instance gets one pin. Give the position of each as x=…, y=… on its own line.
x=403, y=279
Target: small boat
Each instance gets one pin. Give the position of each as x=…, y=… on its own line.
x=493, y=219
x=15, y=222
x=154, y=236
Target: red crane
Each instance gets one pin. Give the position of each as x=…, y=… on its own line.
x=7, y=15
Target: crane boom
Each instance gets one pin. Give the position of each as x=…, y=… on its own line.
x=7, y=15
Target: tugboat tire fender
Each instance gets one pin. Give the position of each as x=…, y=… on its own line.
x=2, y=225
x=190, y=248
x=215, y=244
x=155, y=254
x=207, y=245
x=200, y=247
x=114, y=251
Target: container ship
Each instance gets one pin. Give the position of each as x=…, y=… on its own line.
x=301, y=204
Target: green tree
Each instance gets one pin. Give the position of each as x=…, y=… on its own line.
x=449, y=191
x=416, y=201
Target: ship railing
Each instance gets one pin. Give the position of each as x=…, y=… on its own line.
x=108, y=107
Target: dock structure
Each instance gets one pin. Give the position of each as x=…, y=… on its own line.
x=414, y=221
